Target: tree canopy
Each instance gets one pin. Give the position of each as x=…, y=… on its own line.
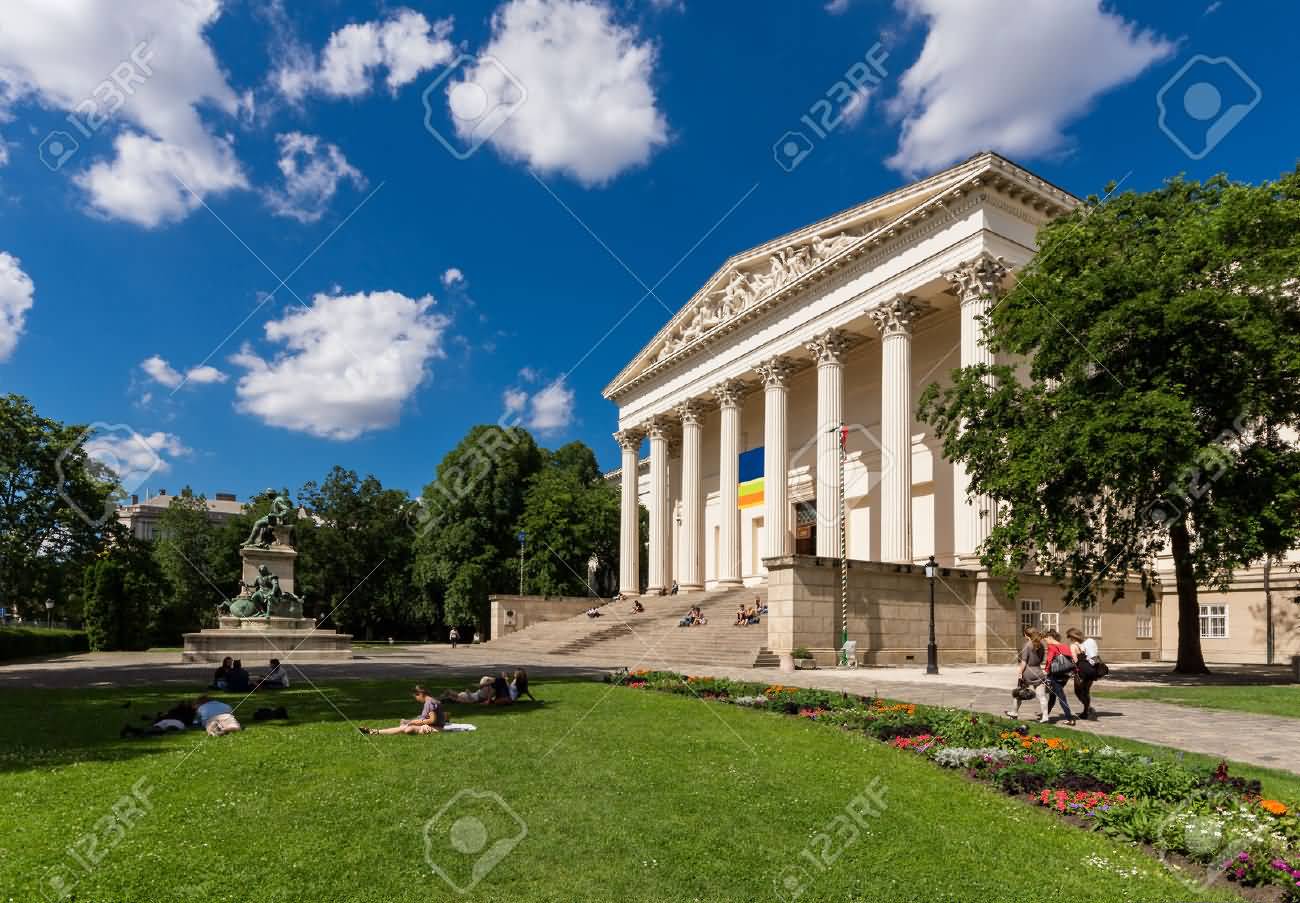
x=1158, y=408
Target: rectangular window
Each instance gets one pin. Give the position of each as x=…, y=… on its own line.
x=1144, y=627
x=1092, y=625
x=1030, y=612
x=1049, y=620
x=1214, y=621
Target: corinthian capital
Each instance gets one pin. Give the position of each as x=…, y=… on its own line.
x=828, y=347
x=729, y=392
x=775, y=372
x=689, y=412
x=896, y=316
x=629, y=439
x=658, y=427
x=978, y=279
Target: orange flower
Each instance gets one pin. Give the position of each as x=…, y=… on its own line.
x=1054, y=742
x=1005, y=735
x=1026, y=744
x=1277, y=807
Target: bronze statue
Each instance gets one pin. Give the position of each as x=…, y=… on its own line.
x=263, y=532
x=263, y=598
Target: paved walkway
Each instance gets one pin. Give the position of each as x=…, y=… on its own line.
x=1272, y=742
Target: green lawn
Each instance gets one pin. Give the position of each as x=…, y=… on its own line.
x=622, y=794
x=1269, y=700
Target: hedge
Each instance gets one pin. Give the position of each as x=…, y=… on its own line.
x=29, y=642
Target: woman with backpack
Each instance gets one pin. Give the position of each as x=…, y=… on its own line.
x=1087, y=657
x=1060, y=668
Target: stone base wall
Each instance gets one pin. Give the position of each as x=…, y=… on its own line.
x=888, y=613
x=511, y=613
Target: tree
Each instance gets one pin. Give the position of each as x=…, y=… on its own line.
x=571, y=515
x=465, y=544
x=186, y=554
x=44, y=473
x=355, y=554
x=121, y=590
x=1161, y=333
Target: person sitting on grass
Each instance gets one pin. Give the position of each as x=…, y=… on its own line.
x=219, y=678
x=276, y=679
x=431, y=721
x=480, y=696
x=237, y=680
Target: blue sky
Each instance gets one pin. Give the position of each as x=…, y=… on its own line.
x=424, y=290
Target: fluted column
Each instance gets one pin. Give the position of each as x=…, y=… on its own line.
x=660, y=507
x=976, y=283
x=729, y=395
x=691, y=560
x=775, y=373
x=894, y=319
x=629, y=527
x=828, y=351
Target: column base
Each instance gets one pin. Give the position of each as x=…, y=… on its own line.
x=729, y=583
x=655, y=591
x=690, y=587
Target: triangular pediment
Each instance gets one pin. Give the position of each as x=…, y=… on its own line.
x=749, y=279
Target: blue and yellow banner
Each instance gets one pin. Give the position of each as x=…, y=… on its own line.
x=750, y=471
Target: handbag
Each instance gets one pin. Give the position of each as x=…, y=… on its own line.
x=1062, y=666
x=1100, y=670
x=1022, y=692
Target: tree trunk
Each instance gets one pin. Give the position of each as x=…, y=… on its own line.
x=1190, y=659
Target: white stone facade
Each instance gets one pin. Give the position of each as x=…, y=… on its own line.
x=844, y=321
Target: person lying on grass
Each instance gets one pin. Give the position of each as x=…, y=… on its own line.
x=484, y=693
x=432, y=718
x=507, y=689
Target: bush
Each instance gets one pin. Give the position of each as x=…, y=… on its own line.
x=29, y=642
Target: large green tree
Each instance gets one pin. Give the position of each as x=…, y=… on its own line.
x=187, y=555
x=122, y=588
x=355, y=555
x=54, y=503
x=466, y=517
x=571, y=515
x=1161, y=332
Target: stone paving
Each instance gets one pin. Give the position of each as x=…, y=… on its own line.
x=1262, y=740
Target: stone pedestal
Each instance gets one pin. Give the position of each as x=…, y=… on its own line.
x=258, y=640
x=278, y=558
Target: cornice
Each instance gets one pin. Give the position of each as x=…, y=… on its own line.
x=990, y=176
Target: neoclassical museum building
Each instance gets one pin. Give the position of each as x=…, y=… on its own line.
x=825, y=337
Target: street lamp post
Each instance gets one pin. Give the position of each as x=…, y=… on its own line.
x=932, y=651
x=49, y=613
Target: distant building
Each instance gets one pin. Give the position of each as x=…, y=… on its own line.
x=143, y=517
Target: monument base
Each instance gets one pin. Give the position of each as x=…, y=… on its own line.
x=258, y=640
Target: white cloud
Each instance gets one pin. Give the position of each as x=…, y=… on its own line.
x=856, y=107
x=837, y=7
x=529, y=375
x=551, y=409
x=515, y=400
x=16, y=291
x=312, y=172
x=453, y=276
x=4, y=152
x=1008, y=75
x=405, y=44
x=133, y=457
x=349, y=363
x=63, y=54
x=163, y=373
x=588, y=108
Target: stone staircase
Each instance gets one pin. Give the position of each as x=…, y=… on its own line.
x=652, y=639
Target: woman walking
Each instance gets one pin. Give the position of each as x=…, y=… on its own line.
x=1087, y=658
x=1031, y=673
x=1060, y=667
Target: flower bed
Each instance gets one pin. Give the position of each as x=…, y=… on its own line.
x=1212, y=818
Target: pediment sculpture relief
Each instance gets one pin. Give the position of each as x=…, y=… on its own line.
x=745, y=288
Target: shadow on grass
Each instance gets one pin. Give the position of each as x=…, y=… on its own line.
x=54, y=728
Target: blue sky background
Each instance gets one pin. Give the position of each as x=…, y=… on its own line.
x=541, y=296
